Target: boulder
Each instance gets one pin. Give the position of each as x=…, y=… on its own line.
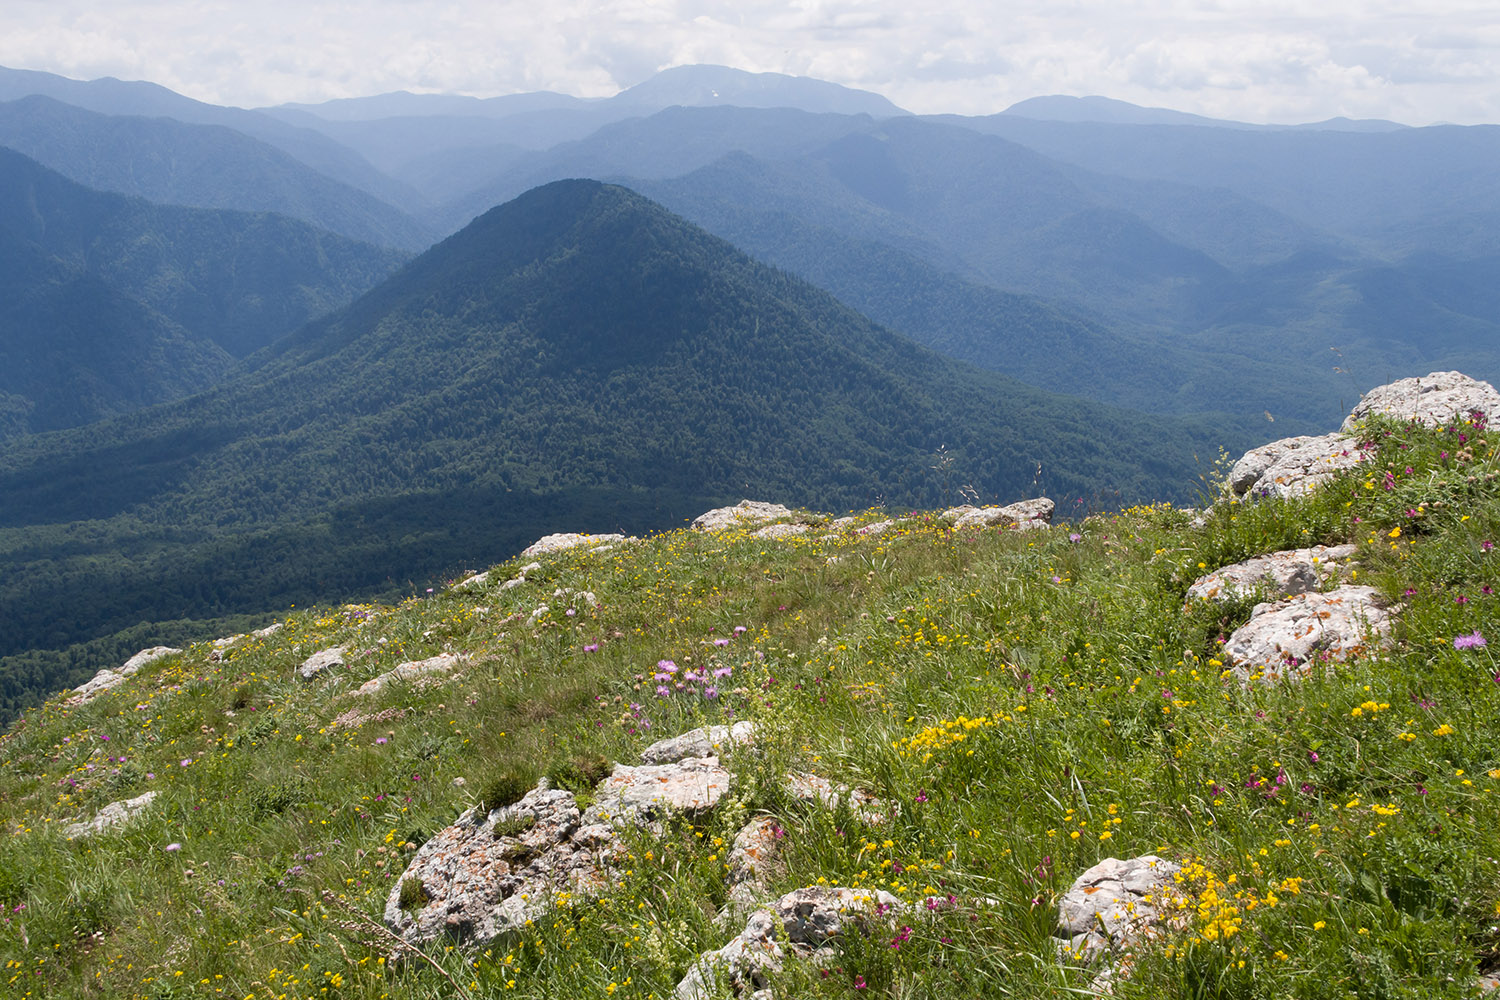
x=1116, y=904
x=113, y=677
x=321, y=661
x=648, y=793
x=814, y=788
x=704, y=742
x=491, y=872
x=1435, y=400
x=412, y=670
x=742, y=965
x=1283, y=638
x=112, y=815
x=559, y=542
x=1292, y=466
x=1028, y=513
x=745, y=514
x=1294, y=571
x=781, y=531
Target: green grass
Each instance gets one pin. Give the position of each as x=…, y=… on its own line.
x=1032, y=702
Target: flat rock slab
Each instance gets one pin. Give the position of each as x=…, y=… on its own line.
x=745, y=514
x=1115, y=904
x=413, y=670
x=704, y=742
x=479, y=883
x=1283, y=639
x=1435, y=400
x=651, y=791
x=1292, y=466
x=1016, y=514
x=781, y=531
x=113, y=815
x=321, y=661
x=1294, y=571
x=567, y=540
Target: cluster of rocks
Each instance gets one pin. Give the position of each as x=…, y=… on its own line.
x=742, y=516
x=1024, y=515
x=412, y=671
x=548, y=544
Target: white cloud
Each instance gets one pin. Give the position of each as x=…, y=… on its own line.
x=1260, y=61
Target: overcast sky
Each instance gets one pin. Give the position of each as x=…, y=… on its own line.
x=1416, y=61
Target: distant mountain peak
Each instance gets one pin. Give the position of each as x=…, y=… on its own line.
x=1108, y=111
x=697, y=85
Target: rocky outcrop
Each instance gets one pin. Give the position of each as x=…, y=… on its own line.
x=321, y=661
x=650, y=792
x=1284, y=638
x=1292, y=466
x=745, y=514
x=1030, y=513
x=704, y=742
x=491, y=872
x=1114, y=905
x=751, y=863
x=113, y=815
x=815, y=788
x=110, y=678
x=412, y=670
x=1435, y=400
x=744, y=965
x=567, y=540
x=1294, y=571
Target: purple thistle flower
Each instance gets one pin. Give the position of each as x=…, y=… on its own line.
x=592, y=647
x=1472, y=641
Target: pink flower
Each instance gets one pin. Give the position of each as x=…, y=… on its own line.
x=174, y=847
x=1474, y=640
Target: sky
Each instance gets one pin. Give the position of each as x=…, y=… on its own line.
x=1415, y=61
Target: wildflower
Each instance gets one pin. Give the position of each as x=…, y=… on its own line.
x=1473, y=640
x=740, y=630
x=710, y=692
x=1444, y=730
x=1075, y=537
x=174, y=846
x=571, y=612
x=380, y=739
x=1394, y=532
x=185, y=761
x=662, y=690
x=592, y=647
x=721, y=642
x=1486, y=545
x=922, y=796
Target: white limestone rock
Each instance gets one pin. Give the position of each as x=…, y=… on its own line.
x=491, y=872
x=1435, y=400
x=1025, y=514
x=1294, y=571
x=742, y=965
x=817, y=914
x=815, y=788
x=649, y=792
x=113, y=815
x=745, y=514
x=704, y=742
x=1284, y=638
x=321, y=661
x=568, y=540
x=112, y=677
x=1115, y=905
x=781, y=531
x=412, y=670
x=144, y=657
x=1292, y=466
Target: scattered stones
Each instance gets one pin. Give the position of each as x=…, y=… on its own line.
x=1283, y=638
x=490, y=873
x=472, y=581
x=412, y=670
x=1025, y=514
x=110, y=678
x=1434, y=400
x=541, y=612
x=878, y=528
x=1114, y=905
x=781, y=531
x=647, y=793
x=567, y=540
x=321, y=661
x=745, y=514
x=704, y=742
x=113, y=815
x=1295, y=571
x=1292, y=466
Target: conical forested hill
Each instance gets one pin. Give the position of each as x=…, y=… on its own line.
x=578, y=359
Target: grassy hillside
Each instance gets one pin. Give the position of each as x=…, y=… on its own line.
x=1023, y=703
